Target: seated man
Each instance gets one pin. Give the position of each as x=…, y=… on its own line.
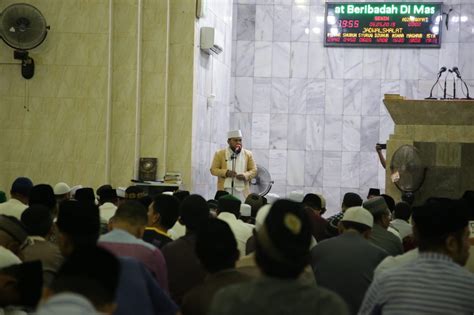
x=39, y=224
x=330, y=258
x=13, y=235
x=78, y=225
x=107, y=202
x=85, y=284
x=217, y=250
x=282, y=253
x=20, y=284
x=350, y=200
x=380, y=235
x=434, y=282
x=229, y=212
x=126, y=240
x=184, y=269
x=162, y=216
x=20, y=193
x=312, y=204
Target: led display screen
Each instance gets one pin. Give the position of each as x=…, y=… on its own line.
x=380, y=24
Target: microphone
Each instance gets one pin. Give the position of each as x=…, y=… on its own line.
x=238, y=148
x=456, y=70
x=443, y=69
x=458, y=74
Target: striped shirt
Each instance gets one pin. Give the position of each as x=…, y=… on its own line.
x=124, y=244
x=431, y=284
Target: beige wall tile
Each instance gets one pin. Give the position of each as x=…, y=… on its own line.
x=63, y=135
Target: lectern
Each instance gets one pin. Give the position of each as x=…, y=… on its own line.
x=443, y=131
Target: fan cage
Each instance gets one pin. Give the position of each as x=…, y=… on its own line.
x=23, y=39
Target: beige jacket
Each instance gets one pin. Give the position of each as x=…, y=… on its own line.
x=219, y=168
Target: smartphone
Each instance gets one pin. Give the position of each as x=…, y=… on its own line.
x=383, y=146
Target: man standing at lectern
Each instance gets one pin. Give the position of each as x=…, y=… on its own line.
x=234, y=167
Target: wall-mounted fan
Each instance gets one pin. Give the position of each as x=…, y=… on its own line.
x=262, y=183
x=23, y=27
x=408, y=171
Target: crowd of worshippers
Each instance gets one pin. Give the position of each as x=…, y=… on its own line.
x=118, y=251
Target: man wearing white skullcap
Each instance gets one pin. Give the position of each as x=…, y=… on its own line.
x=234, y=166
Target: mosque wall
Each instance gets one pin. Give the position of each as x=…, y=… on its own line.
x=53, y=127
x=312, y=115
x=212, y=77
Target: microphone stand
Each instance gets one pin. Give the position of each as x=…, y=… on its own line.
x=233, y=157
x=444, y=90
x=454, y=88
x=467, y=89
x=431, y=92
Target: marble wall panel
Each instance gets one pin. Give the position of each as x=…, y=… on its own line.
x=372, y=64
x=282, y=23
x=260, y=131
x=277, y=166
x=295, y=168
x=299, y=60
x=332, y=167
x=353, y=90
x=281, y=60
x=244, y=58
x=262, y=92
x=350, y=175
x=296, y=132
x=316, y=61
x=264, y=22
x=280, y=95
x=333, y=133
x=334, y=101
x=351, y=133
x=298, y=96
x=263, y=59
x=313, y=167
x=314, y=132
x=246, y=22
x=316, y=96
x=369, y=134
x=300, y=23
x=279, y=131
x=243, y=94
x=353, y=63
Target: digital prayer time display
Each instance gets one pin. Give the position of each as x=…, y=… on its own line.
x=382, y=24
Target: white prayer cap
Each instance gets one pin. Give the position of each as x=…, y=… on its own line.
x=169, y=193
x=234, y=134
x=296, y=195
x=245, y=210
x=7, y=258
x=271, y=198
x=74, y=189
x=261, y=216
x=120, y=192
x=61, y=189
x=358, y=215
x=323, y=200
